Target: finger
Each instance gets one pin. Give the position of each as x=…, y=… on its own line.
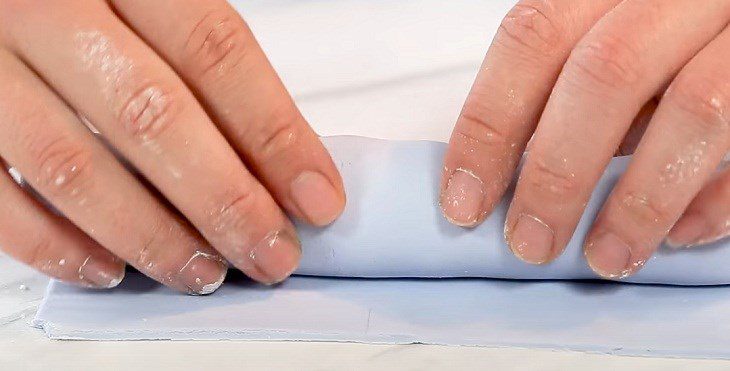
x=32, y=235
x=707, y=219
x=153, y=120
x=61, y=159
x=683, y=145
x=618, y=67
x=506, y=101
x=216, y=54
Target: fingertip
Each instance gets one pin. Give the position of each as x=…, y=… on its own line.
x=203, y=273
x=462, y=198
x=610, y=257
x=101, y=272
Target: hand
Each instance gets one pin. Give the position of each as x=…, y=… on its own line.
x=577, y=76
x=182, y=92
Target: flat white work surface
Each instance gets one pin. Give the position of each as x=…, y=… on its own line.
x=390, y=69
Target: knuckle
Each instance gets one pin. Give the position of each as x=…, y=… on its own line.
x=217, y=43
x=553, y=182
x=476, y=126
x=149, y=112
x=143, y=258
x=705, y=98
x=236, y=213
x=531, y=27
x=643, y=211
x=279, y=134
x=64, y=167
x=607, y=61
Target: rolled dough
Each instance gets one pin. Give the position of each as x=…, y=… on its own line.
x=392, y=227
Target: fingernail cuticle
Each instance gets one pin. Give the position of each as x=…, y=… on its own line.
x=276, y=255
x=531, y=239
x=611, y=257
x=694, y=230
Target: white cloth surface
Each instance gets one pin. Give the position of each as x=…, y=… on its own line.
x=383, y=69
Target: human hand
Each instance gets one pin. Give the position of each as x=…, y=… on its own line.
x=584, y=76
x=181, y=91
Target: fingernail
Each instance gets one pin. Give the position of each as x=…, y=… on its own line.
x=532, y=240
x=276, y=256
x=99, y=274
x=461, y=201
x=203, y=273
x=688, y=231
x=316, y=198
x=609, y=256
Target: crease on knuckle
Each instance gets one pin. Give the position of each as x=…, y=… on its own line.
x=643, y=210
x=217, y=43
x=480, y=129
x=704, y=98
x=278, y=134
x=553, y=182
x=236, y=213
x=145, y=258
x=606, y=61
x=531, y=28
x=64, y=166
x=149, y=112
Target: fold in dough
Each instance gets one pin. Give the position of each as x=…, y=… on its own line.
x=393, y=227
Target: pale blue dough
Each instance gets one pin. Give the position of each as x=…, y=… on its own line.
x=392, y=227
x=644, y=320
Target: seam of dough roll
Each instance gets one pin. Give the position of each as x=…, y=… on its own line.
x=393, y=227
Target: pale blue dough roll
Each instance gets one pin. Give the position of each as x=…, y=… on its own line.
x=393, y=227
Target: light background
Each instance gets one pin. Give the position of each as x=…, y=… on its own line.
x=390, y=69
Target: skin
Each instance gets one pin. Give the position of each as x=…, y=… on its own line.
x=582, y=80
x=199, y=157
